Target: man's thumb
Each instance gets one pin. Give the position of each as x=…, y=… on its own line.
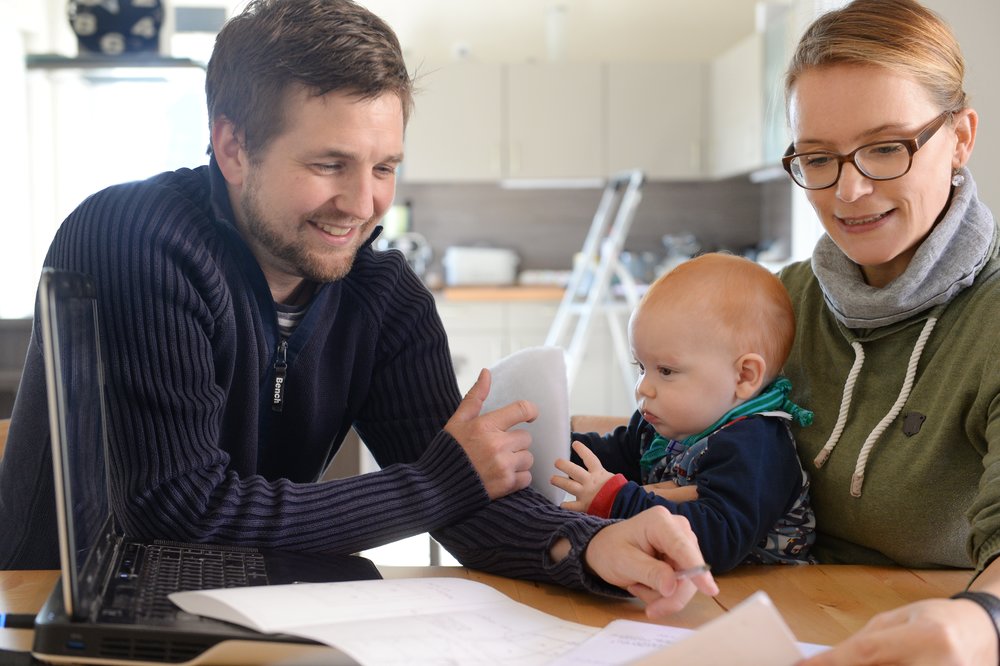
x=472, y=403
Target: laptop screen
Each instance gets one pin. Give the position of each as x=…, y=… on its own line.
x=75, y=384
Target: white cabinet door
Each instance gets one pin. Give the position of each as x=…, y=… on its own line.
x=480, y=333
x=455, y=132
x=556, y=120
x=476, y=338
x=600, y=388
x=480, y=122
x=470, y=353
x=737, y=109
x=655, y=119
x=528, y=324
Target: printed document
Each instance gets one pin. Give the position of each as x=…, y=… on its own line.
x=398, y=622
x=751, y=634
x=446, y=621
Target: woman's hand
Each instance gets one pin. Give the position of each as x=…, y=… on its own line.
x=936, y=632
x=669, y=490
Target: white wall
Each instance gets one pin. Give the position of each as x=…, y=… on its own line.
x=976, y=24
x=65, y=136
x=27, y=20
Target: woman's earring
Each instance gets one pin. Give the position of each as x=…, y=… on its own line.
x=957, y=179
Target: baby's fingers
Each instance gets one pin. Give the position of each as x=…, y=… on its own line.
x=570, y=469
x=587, y=456
x=567, y=485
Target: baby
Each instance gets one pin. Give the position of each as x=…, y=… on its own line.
x=711, y=438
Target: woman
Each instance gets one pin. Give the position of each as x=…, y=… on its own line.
x=896, y=313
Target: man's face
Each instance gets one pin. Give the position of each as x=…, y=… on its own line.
x=312, y=197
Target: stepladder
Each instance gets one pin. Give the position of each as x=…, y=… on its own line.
x=600, y=286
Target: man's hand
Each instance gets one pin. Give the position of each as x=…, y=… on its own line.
x=582, y=483
x=643, y=553
x=501, y=458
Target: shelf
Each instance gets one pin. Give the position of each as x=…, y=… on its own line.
x=52, y=61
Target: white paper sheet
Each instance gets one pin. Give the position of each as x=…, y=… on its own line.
x=404, y=622
x=537, y=374
x=447, y=621
x=621, y=642
x=751, y=634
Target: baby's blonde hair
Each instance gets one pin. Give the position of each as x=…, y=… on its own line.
x=741, y=297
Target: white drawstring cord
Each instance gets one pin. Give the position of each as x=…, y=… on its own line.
x=845, y=405
x=897, y=407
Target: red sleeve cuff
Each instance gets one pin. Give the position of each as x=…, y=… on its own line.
x=601, y=505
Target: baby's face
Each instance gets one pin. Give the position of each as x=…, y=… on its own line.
x=687, y=370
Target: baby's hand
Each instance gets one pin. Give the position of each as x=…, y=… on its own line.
x=669, y=490
x=582, y=483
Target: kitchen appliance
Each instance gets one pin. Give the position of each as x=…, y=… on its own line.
x=414, y=247
x=467, y=266
x=680, y=247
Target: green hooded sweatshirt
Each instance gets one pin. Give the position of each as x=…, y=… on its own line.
x=914, y=370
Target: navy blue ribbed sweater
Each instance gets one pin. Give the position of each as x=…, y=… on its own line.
x=196, y=452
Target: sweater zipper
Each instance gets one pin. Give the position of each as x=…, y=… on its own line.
x=280, y=370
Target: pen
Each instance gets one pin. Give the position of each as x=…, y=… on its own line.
x=684, y=574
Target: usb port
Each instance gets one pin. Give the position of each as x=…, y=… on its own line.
x=75, y=644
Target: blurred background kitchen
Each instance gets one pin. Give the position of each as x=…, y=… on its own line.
x=524, y=110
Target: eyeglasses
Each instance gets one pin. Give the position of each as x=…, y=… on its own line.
x=883, y=160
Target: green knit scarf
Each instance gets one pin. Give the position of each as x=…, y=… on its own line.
x=773, y=398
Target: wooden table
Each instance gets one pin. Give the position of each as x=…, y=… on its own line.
x=821, y=603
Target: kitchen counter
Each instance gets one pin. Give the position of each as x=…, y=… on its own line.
x=511, y=293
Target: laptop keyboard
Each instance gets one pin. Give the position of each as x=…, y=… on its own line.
x=147, y=573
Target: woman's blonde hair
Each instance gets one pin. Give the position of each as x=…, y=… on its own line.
x=900, y=35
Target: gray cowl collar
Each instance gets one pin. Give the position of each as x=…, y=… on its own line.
x=945, y=263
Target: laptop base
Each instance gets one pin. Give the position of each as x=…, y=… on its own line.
x=186, y=640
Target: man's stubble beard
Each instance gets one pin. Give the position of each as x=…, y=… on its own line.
x=296, y=258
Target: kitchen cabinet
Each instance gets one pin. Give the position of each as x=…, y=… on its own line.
x=482, y=122
x=454, y=134
x=480, y=333
x=736, y=109
x=655, y=119
x=556, y=120
x=476, y=336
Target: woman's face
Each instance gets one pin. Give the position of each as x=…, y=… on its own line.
x=878, y=224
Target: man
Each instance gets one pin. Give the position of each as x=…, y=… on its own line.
x=248, y=326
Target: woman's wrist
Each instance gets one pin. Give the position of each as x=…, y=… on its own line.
x=989, y=603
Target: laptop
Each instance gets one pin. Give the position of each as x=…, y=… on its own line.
x=110, y=605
